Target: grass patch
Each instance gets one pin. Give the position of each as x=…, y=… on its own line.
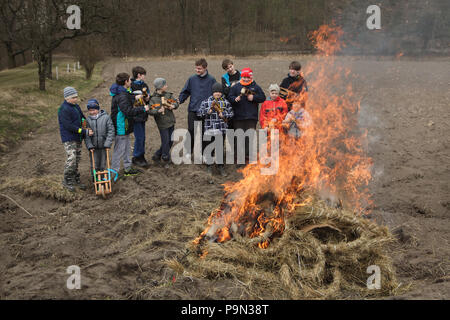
x=24, y=108
x=48, y=187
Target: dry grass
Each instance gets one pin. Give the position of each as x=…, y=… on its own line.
x=324, y=253
x=48, y=187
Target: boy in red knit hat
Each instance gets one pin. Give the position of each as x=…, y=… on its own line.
x=245, y=97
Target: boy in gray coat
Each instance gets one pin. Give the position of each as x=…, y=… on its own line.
x=100, y=122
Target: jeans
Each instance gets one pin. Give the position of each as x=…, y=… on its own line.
x=166, y=143
x=139, y=142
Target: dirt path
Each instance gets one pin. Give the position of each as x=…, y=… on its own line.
x=121, y=244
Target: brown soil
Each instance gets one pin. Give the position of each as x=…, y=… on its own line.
x=122, y=244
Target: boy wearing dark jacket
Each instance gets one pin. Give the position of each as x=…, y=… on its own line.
x=294, y=82
x=71, y=118
x=137, y=84
x=122, y=115
x=100, y=122
x=245, y=97
x=231, y=77
x=164, y=118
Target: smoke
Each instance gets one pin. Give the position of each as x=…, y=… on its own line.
x=410, y=27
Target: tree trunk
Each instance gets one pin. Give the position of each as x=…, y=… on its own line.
x=11, y=57
x=24, y=58
x=89, y=70
x=49, y=73
x=183, y=24
x=42, y=65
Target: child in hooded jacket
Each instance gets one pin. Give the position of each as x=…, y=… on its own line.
x=100, y=122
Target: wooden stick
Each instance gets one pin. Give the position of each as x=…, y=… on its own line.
x=8, y=197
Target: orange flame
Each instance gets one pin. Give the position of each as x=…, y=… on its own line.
x=329, y=158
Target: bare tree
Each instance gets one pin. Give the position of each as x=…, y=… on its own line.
x=10, y=30
x=45, y=27
x=89, y=52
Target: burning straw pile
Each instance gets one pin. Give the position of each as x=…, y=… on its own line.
x=300, y=233
x=324, y=252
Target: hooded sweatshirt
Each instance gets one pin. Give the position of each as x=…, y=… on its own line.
x=122, y=110
x=103, y=128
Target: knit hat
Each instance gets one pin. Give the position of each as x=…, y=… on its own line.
x=159, y=83
x=93, y=104
x=247, y=73
x=70, y=92
x=217, y=87
x=274, y=87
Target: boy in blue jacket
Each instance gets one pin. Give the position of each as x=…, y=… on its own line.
x=71, y=118
x=199, y=88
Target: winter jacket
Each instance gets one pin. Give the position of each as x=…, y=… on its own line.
x=228, y=80
x=297, y=87
x=103, y=128
x=272, y=109
x=244, y=109
x=70, y=119
x=213, y=123
x=199, y=88
x=166, y=120
x=122, y=110
x=135, y=86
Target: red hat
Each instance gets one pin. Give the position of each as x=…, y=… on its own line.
x=247, y=72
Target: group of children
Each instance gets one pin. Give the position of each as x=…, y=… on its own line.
x=233, y=103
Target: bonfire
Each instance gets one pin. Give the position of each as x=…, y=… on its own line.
x=301, y=233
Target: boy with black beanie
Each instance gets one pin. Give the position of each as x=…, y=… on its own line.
x=216, y=112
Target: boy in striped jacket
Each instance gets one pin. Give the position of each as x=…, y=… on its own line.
x=216, y=112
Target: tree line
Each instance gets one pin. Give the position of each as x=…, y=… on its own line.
x=207, y=27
